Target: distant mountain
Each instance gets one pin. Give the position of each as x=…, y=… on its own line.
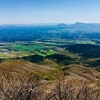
x=64, y=31
x=79, y=25
x=62, y=25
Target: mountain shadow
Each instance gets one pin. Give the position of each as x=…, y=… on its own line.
x=61, y=59
x=34, y=58
x=85, y=50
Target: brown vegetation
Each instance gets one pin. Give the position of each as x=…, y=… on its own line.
x=29, y=86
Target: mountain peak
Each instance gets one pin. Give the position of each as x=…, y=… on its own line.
x=61, y=25
x=77, y=23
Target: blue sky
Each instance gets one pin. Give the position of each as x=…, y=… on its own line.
x=49, y=11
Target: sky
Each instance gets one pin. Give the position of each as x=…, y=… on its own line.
x=49, y=11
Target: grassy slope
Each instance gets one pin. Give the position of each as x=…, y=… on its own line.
x=49, y=63
x=47, y=69
x=81, y=71
x=22, y=68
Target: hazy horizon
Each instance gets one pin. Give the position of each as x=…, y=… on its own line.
x=43, y=24
x=49, y=11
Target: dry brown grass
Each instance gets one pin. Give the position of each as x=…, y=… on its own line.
x=22, y=67
x=20, y=80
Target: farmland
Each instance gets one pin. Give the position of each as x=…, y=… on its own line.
x=24, y=49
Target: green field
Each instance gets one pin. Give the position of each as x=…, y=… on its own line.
x=21, y=49
x=46, y=48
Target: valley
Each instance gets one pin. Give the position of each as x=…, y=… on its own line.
x=59, y=62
